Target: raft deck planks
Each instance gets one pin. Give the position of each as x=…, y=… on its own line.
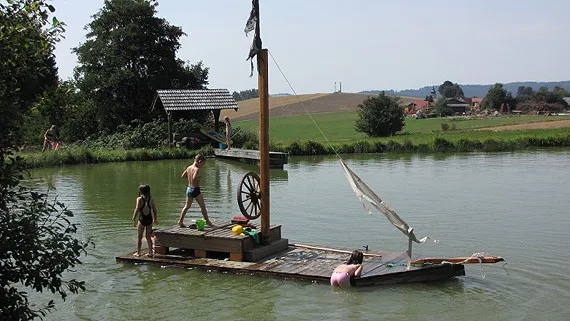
x=310, y=264
x=276, y=159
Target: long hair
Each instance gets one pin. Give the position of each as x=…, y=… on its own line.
x=144, y=191
x=356, y=257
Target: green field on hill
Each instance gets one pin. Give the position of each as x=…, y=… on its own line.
x=339, y=127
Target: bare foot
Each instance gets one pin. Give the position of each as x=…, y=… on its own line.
x=136, y=254
x=209, y=223
x=181, y=224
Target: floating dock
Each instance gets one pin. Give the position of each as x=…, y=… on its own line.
x=216, y=248
x=276, y=159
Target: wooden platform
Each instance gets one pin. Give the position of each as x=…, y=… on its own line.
x=217, y=241
x=276, y=159
x=214, y=249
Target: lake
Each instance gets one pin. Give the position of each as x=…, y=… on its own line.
x=514, y=205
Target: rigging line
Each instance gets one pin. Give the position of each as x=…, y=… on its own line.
x=303, y=105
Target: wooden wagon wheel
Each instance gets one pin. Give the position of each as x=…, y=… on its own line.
x=249, y=195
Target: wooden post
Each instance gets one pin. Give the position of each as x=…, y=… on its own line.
x=169, y=116
x=264, y=140
x=216, y=113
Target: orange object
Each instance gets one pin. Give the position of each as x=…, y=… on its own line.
x=461, y=260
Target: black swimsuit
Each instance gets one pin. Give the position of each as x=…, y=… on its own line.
x=145, y=220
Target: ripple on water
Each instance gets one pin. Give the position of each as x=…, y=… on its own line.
x=504, y=204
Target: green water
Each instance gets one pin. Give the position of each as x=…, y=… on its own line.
x=513, y=205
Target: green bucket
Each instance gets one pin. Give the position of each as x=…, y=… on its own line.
x=200, y=224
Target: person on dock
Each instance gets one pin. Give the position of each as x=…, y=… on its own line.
x=49, y=138
x=145, y=208
x=352, y=268
x=192, y=174
x=228, y=132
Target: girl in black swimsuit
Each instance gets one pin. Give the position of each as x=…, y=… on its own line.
x=145, y=209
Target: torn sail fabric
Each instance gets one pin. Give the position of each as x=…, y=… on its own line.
x=252, y=24
x=367, y=196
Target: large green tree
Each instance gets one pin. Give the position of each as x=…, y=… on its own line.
x=450, y=90
x=129, y=54
x=37, y=244
x=495, y=98
x=442, y=108
x=27, y=63
x=380, y=116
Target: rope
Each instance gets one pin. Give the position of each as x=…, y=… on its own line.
x=303, y=105
x=479, y=256
x=475, y=255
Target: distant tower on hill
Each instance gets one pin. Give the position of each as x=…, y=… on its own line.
x=340, y=87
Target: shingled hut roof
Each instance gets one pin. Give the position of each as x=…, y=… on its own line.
x=194, y=99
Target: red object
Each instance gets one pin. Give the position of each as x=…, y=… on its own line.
x=240, y=220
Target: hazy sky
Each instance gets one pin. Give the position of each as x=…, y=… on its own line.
x=365, y=44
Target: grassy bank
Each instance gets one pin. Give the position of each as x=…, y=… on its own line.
x=81, y=155
x=338, y=127
x=299, y=136
x=436, y=143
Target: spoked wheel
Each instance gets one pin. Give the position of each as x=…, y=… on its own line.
x=249, y=196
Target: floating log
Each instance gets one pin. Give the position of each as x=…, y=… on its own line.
x=459, y=260
x=332, y=250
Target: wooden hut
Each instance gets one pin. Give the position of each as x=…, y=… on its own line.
x=180, y=100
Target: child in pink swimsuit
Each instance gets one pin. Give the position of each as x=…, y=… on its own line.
x=353, y=267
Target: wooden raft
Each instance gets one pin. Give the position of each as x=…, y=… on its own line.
x=276, y=159
x=312, y=264
x=217, y=241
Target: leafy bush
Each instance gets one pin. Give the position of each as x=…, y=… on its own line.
x=185, y=126
x=380, y=116
x=241, y=138
x=442, y=145
x=138, y=135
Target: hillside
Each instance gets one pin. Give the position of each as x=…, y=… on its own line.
x=475, y=90
x=298, y=105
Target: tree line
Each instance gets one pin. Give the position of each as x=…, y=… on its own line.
x=382, y=115
x=476, y=90
x=498, y=98
x=128, y=54
x=245, y=94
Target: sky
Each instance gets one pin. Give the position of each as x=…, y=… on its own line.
x=365, y=44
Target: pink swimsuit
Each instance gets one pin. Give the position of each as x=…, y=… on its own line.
x=341, y=278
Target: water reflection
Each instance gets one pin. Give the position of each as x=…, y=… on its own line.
x=510, y=204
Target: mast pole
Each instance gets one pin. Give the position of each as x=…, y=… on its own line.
x=263, y=91
x=264, y=140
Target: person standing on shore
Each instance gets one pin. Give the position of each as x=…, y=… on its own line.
x=192, y=174
x=228, y=131
x=49, y=138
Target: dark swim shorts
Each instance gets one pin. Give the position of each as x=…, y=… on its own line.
x=192, y=191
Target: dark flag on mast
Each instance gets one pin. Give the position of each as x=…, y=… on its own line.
x=252, y=24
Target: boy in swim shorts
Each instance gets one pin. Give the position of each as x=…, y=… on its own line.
x=192, y=174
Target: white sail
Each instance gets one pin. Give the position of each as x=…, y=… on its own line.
x=366, y=195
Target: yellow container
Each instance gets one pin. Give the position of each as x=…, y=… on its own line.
x=236, y=230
